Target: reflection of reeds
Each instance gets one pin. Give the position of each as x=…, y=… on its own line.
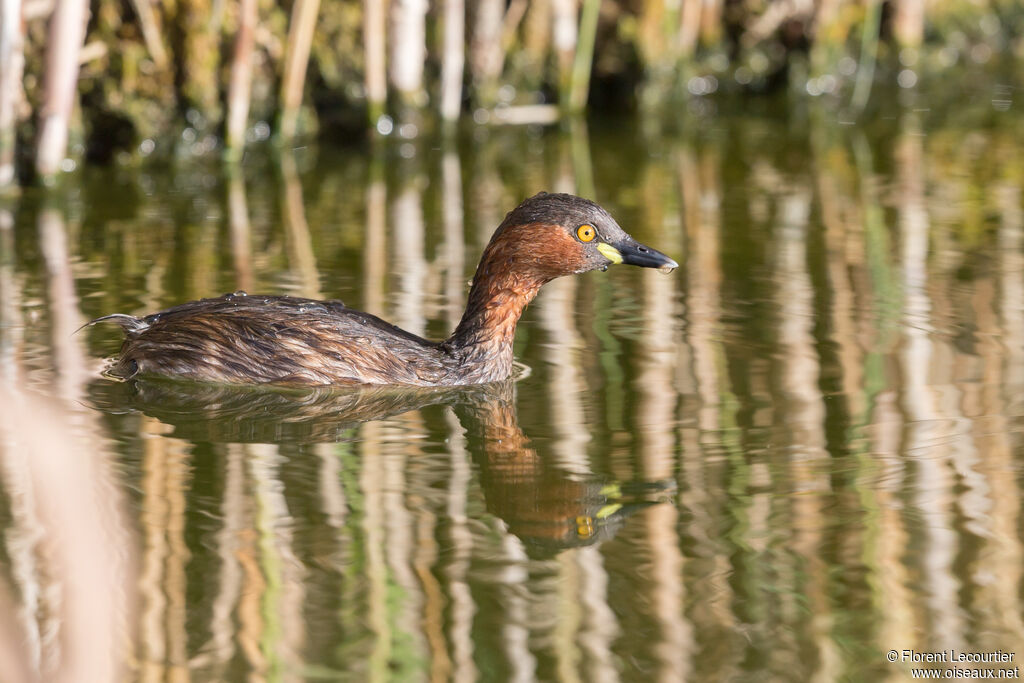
x=375, y=242
x=703, y=378
x=299, y=240
x=458, y=589
x=162, y=580
x=656, y=437
x=454, y=253
x=283, y=626
x=409, y=260
x=1011, y=294
x=241, y=239
x=235, y=514
x=996, y=441
x=69, y=357
x=856, y=405
x=401, y=545
x=583, y=610
x=840, y=412
x=925, y=437
x=804, y=413
x=566, y=388
x=68, y=545
x=371, y=485
x=434, y=602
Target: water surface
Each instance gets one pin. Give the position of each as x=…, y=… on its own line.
x=797, y=452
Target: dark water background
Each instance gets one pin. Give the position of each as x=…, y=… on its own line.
x=799, y=451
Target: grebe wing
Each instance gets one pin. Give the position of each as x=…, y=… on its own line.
x=277, y=339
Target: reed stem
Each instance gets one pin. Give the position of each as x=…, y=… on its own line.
x=583, y=63
x=66, y=35
x=12, y=61
x=453, y=59
x=374, y=42
x=240, y=87
x=868, y=54
x=300, y=40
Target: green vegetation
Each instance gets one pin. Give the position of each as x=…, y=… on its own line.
x=202, y=77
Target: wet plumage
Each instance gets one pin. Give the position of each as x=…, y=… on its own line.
x=239, y=338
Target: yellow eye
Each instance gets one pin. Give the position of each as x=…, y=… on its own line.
x=584, y=527
x=586, y=233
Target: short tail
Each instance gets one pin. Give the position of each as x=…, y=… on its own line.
x=129, y=323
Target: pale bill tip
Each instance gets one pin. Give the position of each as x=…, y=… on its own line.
x=668, y=267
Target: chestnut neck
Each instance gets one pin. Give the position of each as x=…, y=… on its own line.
x=497, y=298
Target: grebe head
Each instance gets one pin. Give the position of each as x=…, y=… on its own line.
x=550, y=235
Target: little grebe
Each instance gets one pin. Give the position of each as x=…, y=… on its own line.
x=238, y=338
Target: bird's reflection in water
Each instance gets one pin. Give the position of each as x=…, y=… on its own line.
x=548, y=508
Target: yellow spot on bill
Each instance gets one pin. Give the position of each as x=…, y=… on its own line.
x=610, y=252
